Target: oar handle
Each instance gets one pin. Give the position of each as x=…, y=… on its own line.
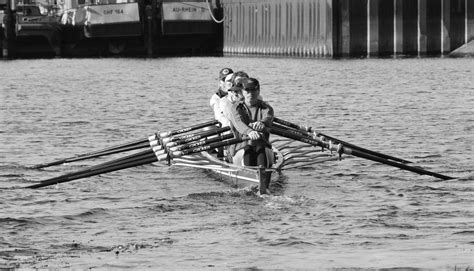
x=207, y=147
x=201, y=142
x=194, y=136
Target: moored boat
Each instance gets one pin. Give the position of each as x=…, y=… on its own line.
x=36, y=24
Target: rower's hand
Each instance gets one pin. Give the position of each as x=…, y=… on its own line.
x=258, y=126
x=254, y=135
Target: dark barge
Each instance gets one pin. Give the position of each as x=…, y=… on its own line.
x=112, y=27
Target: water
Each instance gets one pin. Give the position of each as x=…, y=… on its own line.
x=347, y=214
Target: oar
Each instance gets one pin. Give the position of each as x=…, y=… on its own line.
x=340, y=148
x=207, y=147
x=195, y=144
x=72, y=177
x=157, y=150
x=150, y=153
x=188, y=129
x=142, y=143
x=111, y=164
x=135, y=161
x=178, y=140
x=98, y=154
x=302, y=128
x=111, y=150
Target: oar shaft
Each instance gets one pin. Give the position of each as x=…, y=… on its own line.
x=92, y=173
x=207, y=147
x=304, y=129
x=297, y=136
x=79, y=157
x=188, y=129
x=195, y=144
x=347, y=150
x=126, y=159
x=194, y=136
x=133, y=160
x=129, y=148
x=129, y=161
x=142, y=143
x=134, y=157
x=289, y=124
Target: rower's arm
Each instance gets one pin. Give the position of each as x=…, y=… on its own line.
x=267, y=115
x=238, y=120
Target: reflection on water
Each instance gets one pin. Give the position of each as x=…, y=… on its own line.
x=353, y=213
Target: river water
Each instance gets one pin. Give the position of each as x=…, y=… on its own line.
x=352, y=213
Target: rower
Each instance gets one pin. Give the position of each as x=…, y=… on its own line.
x=221, y=91
x=225, y=76
x=237, y=77
x=225, y=104
x=233, y=94
x=231, y=81
x=250, y=117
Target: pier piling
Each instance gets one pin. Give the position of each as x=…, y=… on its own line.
x=8, y=42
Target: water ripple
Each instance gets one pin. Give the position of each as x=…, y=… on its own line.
x=345, y=214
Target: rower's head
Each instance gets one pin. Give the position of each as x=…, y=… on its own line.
x=235, y=94
x=227, y=83
x=223, y=73
x=250, y=90
x=237, y=76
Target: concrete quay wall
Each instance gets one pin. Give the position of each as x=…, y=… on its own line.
x=347, y=28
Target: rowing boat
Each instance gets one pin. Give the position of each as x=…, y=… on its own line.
x=288, y=154
x=235, y=175
x=294, y=146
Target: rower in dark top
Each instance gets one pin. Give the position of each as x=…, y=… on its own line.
x=251, y=117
